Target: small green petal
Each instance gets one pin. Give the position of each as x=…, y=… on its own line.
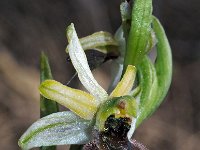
x=101, y=41
x=126, y=84
x=98, y=41
x=80, y=102
x=80, y=63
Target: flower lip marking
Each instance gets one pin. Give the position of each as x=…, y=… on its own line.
x=118, y=107
x=121, y=105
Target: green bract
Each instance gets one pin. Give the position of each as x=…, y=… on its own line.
x=132, y=101
x=155, y=78
x=139, y=32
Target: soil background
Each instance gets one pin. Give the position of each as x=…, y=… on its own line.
x=28, y=27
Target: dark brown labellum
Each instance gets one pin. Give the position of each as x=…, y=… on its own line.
x=114, y=136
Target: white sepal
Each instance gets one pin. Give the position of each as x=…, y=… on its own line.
x=56, y=129
x=80, y=63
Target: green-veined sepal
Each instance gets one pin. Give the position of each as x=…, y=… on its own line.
x=56, y=129
x=80, y=63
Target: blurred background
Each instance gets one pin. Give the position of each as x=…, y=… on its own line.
x=29, y=27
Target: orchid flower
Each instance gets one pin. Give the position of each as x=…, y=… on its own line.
x=96, y=109
x=96, y=105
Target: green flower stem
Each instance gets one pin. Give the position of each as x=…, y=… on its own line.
x=46, y=106
x=139, y=32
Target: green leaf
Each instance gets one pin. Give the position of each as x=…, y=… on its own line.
x=139, y=32
x=80, y=102
x=46, y=106
x=56, y=129
x=80, y=63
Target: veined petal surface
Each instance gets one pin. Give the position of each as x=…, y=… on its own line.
x=56, y=129
x=98, y=39
x=80, y=102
